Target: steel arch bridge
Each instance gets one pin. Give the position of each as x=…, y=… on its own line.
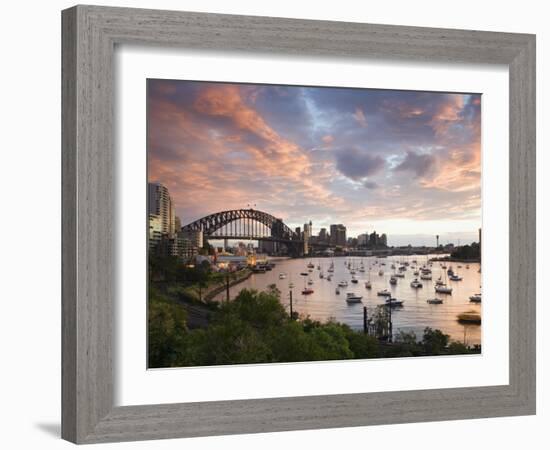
x=248, y=224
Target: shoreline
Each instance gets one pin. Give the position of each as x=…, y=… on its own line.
x=461, y=260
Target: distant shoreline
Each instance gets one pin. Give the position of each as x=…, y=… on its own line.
x=462, y=260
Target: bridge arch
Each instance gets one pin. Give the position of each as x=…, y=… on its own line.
x=212, y=224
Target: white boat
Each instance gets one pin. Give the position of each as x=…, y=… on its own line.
x=476, y=298
x=416, y=284
x=310, y=282
x=343, y=284
x=384, y=293
x=291, y=285
x=434, y=301
x=439, y=282
x=399, y=275
x=282, y=276
x=352, y=298
x=443, y=289
x=426, y=276
x=455, y=278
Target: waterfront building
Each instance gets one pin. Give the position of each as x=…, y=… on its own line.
x=194, y=236
x=308, y=232
x=338, y=235
x=177, y=224
x=323, y=236
x=160, y=203
x=362, y=240
x=155, y=231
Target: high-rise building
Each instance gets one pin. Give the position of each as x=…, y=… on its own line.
x=363, y=239
x=338, y=235
x=306, y=236
x=195, y=237
x=160, y=203
x=177, y=224
x=323, y=235
x=155, y=230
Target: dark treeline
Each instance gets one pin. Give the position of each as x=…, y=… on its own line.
x=467, y=252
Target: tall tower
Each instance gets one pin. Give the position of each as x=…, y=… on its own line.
x=437, y=241
x=160, y=203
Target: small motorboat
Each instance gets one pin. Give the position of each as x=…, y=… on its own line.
x=469, y=317
x=291, y=285
x=343, y=284
x=434, y=301
x=307, y=291
x=476, y=298
x=393, y=281
x=467, y=266
x=352, y=298
x=368, y=285
x=443, y=289
x=321, y=275
x=282, y=276
x=416, y=273
x=310, y=282
x=329, y=278
x=337, y=291
x=310, y=265
x=394, y=303
x=304, y=274
x=354, y=280
x=439, y=282
x=384, y=293
x=416, y=284
x=381, y=273
x=426, y=276
x=399, y=275
x=455, y=278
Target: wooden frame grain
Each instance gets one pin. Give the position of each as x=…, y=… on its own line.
x=90, y=34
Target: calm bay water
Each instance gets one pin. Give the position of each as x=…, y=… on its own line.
x=416, y=313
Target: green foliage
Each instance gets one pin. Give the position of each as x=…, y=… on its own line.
x=457, y=348
x=166, y=331
x=471, y=251
x=434, y=341
x=255, y=328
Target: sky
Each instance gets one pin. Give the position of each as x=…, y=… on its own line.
x=404, y=163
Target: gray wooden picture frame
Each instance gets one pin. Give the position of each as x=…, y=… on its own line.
x=90, y=34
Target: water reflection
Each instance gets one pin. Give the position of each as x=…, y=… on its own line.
x=416, y=313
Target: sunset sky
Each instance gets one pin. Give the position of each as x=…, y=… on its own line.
x=399, y=162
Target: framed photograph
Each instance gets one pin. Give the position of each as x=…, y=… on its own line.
x=340, y=230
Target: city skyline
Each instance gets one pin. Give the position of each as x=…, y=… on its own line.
x=402, y=163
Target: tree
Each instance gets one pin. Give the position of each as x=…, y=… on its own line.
x=434, y=341
x=167, y=327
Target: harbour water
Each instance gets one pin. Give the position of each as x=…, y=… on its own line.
x=415, y=315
